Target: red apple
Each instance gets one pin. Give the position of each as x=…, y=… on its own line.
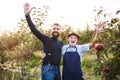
x=99, y=46
x=105, y=70
x=114, y=20
x=2, y=62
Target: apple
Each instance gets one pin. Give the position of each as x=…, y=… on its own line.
x=114, y=20
x=2, y=62
x=105, y=70
x=99, y=46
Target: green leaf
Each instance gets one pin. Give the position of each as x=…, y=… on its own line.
x=117, y=12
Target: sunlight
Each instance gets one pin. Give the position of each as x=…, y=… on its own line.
x=76, y=13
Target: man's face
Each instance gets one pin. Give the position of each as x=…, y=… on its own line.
x=73, y=40
x=55, y=31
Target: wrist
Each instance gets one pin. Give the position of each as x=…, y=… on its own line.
x=94, y=41
x=26, y=14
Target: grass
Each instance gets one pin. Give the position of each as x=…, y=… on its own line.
x=88, y=64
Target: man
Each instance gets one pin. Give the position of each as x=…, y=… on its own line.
x=51, y=46
x=72, y=55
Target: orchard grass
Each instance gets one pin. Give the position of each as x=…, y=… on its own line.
x=89, y=61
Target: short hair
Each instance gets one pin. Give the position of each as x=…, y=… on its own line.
x=56, y=24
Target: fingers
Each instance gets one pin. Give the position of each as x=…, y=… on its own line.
x=26, y=5
x=100, y=26
x=26, y=8
x=103, y=24
x=43, y=55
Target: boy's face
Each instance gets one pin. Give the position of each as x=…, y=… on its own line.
x=72, y=40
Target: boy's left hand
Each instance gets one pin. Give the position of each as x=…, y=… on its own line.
x=100, y=26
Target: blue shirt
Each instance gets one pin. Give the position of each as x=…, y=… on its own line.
x=80, y=49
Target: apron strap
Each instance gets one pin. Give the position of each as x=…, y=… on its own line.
x=49, y=54
x=71, y=47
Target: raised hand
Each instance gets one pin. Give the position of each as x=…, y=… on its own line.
x=100, y=26
x=27, y=9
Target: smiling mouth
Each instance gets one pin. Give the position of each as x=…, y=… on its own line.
x=55, y=32
x=72, y=42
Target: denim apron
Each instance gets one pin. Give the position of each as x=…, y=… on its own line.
x=72, y=66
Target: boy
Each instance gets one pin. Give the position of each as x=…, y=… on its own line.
x=72, y=55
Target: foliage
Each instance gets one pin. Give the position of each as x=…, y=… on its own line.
x=109, y=59
x=88, y=65
x=20, y=51
x=86, y=35
x=20, y=46
x=65, y=31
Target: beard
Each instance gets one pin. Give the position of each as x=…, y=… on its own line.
x=55, y=34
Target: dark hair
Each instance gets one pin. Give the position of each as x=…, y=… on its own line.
x=73, y=34
x=56, y=24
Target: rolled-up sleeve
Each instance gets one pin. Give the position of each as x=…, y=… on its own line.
x=84, y=48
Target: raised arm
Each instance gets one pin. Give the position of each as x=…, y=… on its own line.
x=37, y=33
x=97, y=34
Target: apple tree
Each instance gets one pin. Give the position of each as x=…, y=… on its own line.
x=108, y=53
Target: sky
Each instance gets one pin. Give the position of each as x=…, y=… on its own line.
x=76, y=13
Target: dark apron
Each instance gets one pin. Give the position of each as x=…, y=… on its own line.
x=72, y=66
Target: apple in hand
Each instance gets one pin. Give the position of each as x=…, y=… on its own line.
x=99, y=46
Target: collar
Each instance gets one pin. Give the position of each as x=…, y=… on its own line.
x=72, y=46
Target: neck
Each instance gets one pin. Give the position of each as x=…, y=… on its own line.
x=54, y=37
x=72, y=45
